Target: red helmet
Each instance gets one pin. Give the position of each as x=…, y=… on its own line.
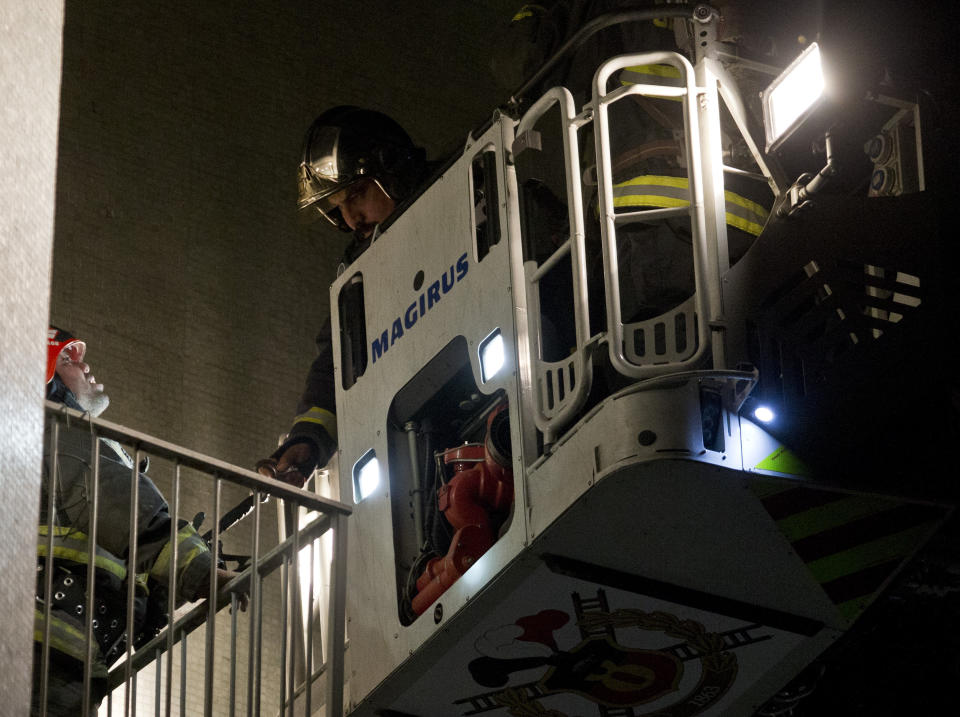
x=58, y=341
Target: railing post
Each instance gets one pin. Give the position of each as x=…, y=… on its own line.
x=212, y=605
x=128, y=681
x=91, y=572
x=337, y=619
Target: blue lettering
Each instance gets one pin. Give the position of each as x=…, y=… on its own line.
x=447, y=286
x=433, y=294
x=407, y=320
x=424, y=303
x=379, y=347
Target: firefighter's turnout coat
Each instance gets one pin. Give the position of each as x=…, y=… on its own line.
x=70, y=527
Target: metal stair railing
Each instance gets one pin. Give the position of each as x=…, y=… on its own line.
x=332, y=518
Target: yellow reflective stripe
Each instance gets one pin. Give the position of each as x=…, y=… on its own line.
x=832, y=515
x=747, y=204
x=741, y=213
x=655, y=70
x=527, y=11
x=744, y=224
x=652, y=75
x=860, y=557
x=72, y=545
x=752, y=220
x=321, y=416
x=649, y=200
x=60, y=530
x=67, y=639
x=664, y=180
x=189, y=546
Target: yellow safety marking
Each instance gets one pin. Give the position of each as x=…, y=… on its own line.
x=655, y=70
x=765, y=488
x=187, y=535
x=739, y=222
x=744, y=224
x=783, y=460
x=527, y=11
x=664, y=180
x=681, y=183
x=832, y=515
x=852, y=608
x=65, y=536
x=654, y=200
x=67, y=639
x=321, y=416
x=878, y=551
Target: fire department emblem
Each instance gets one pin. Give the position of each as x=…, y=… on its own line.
x=618, y=679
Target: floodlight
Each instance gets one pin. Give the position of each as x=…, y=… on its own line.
x=793, y=96
x=492, y=355
x=366, y=476
x=763, y=414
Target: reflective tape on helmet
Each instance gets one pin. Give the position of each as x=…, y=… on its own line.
x=321, y=416
x=663, y=191
x=71, y=544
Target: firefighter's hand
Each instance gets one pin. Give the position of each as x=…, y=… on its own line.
x=285, y=468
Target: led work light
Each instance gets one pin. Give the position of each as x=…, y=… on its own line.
x=793, y=96
x=366, y=476
x=764, y=414
x=492, y=355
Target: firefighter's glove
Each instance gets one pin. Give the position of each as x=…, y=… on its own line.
x=285, y=468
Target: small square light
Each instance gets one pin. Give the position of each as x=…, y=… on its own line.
x=492, y=355
x=366, y=476
x=793, y=95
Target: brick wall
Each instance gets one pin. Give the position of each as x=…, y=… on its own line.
x=178, y=255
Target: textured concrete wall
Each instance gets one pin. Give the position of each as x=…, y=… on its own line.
x=178, y=254
x=29, y=85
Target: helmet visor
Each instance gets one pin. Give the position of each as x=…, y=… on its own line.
x=325, y=169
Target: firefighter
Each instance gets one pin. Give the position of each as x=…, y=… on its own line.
x=359, y=169
x=646, y=143
x=70, y=382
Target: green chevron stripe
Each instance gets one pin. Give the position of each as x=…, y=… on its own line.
x=898, y=545
x=832, y=515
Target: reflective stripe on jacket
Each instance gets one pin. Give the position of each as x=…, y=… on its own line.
x=68, y=639
x=650, y=75
x=72, y=544
x=660, y=191
x=319, y=416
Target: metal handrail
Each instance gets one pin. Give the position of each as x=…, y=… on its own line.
x=332, y=518
x=195, y=617
x=191, y=459
x=575, y=246
x=689, y=94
